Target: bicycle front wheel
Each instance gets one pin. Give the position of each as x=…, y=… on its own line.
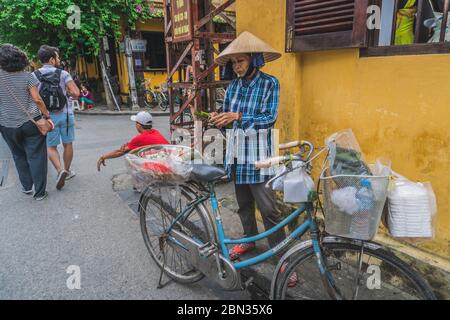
x=147, y=100
x=159, y=206
x=163, y=102
x=368, y=274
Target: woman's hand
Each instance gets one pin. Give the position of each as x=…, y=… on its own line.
x=224, y=119
x=36, y=97
x=51, y=123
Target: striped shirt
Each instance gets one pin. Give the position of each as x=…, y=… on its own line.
x=251, y=139
x=13, y=115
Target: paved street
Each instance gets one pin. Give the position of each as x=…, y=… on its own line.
x=86, y=225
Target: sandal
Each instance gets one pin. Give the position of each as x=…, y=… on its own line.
x=293, y=278
x=240, y=249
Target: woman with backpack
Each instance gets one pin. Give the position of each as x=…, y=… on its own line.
x=21, y=107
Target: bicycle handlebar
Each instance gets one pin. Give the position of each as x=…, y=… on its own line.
x=310, y=146
x=271, y=162
x=289, y=145
x=303, y=145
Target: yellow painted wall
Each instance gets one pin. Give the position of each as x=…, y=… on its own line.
x=155, y=25
x=90, y=69
x=398, y=107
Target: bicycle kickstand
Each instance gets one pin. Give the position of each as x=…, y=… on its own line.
x=161, y=285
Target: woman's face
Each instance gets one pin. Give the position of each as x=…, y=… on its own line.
x=241, y=63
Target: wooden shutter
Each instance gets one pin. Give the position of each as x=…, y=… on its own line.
x=325, y=24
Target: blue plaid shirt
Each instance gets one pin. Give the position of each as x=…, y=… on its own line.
x=258, y=100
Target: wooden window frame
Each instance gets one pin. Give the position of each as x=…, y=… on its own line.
x=355, y=38
x=361, y=37
x=411, y=49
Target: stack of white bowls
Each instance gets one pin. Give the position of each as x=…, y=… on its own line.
x=410, y=211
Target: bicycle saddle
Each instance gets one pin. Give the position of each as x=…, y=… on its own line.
x=206, y=173
x=156, y=88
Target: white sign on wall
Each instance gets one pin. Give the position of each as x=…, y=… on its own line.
x=139, y=45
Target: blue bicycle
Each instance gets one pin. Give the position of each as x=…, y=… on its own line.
x=187, y=240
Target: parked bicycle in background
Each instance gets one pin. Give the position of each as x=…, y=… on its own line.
x=155, y=96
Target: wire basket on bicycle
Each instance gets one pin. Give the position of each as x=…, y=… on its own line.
x=353, y=204
x=354, y=197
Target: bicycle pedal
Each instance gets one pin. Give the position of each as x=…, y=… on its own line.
x=207, y=251
x=202, y=247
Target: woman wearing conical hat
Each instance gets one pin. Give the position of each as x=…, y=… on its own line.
x=251, y=102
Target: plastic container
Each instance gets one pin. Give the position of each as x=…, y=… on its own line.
x=412, y=208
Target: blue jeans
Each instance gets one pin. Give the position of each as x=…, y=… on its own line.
x=29, y=150
x=64, y=132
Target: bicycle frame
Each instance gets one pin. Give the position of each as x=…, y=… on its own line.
x=223, y=241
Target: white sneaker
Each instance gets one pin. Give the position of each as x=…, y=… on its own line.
x=71, y=174
x=60, y=181
x=28, y=192
x=42, y=197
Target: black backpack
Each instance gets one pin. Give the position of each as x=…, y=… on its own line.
x=50, y=90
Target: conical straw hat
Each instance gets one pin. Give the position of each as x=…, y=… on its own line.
x=247, y=43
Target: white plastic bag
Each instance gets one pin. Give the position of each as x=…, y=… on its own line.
x=278, y=184
x=297, y=186
x=345, y=199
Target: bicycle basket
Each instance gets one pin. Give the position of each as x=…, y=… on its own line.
x=167, y=163
x=353, y=205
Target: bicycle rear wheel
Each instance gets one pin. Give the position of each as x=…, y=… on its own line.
x=382, y=276
x=158, y=207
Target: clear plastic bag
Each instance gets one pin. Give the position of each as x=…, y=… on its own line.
x=412, y=209
x=345, y=156
x=381, y=168
x=159, y=163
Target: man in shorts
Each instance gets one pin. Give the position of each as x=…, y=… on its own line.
x=64, y=120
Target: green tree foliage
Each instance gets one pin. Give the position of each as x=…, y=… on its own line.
x=31, y=23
